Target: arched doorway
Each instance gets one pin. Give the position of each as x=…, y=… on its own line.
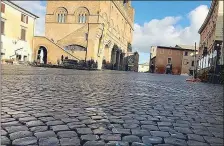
x=42, y=55
x=114, y=56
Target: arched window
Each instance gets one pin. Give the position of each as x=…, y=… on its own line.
x=82, y=14
x=61, y=14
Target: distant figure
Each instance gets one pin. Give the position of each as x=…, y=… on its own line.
x=169, y=69
x=152, y=68
x=62, y=58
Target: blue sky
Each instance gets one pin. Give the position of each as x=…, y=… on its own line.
x=145, y=11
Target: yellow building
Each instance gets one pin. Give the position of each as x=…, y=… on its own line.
x=102, y=28
x=17, y=31
x=143, y=67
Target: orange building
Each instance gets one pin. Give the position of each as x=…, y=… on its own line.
x=162, y=55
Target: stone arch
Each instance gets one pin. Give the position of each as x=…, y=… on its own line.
x=106, y=53
x=81, y=15
x=61, y=14
x=42, y=54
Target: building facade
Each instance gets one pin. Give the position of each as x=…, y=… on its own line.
x=17, y=31
x=211, y=39
x=85, y=30
x=177, y=56
x=143, y=67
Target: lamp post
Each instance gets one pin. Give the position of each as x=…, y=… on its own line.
x=87, y=38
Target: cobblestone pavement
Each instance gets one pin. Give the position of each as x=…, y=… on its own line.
x=49, y=107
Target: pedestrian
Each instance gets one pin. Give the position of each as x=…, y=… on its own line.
x=152, y=68
x=167, y=68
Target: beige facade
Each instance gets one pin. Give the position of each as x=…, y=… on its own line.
x=103, y=28
x=17, y=31
x=143, y=67
x=211, y=36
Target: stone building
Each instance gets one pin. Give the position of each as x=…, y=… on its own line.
x=178, y=56
x=84, y=30
x=17, y=31
x=211, y=39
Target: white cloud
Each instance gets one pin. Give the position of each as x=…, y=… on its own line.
x=167, y=31
x=37, y=8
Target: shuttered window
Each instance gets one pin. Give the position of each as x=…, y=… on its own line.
x=23, y=34
x=2, y=27
x=24, y=18
x=2, y=8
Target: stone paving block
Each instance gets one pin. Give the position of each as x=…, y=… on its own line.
x=195, y=137
x=115, y=143
x=13, y=123
x=101, y=131
x=196, y=143
x=53, y=123
x=20, y=134
x=12, y=129
x=67, y=134
x=89, y=137
x=39, y=129
x=94, y=143
x=139, y=144
x=159, y=134
x=140, y=133
x=183, y=130
x=70, y=141
x=5, y=140
x=151, y=140
x=84, y=131
x=178, y=135
x=175, y=141
x=27, y=119
x=45, y=134
x=150, y=127
x=111, y=137
x=50, y=141
x=121, y=131
x=34, y=123
x=60, y=128
x=25, y=141
x=131, y=138
x=167, y=124
x=213, y=140
x=3, y=132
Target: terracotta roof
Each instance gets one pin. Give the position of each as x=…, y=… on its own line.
x=187, y=47
x=175, y=48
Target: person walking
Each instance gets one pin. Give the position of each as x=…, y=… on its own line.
x=152, y=68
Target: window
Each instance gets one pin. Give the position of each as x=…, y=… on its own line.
x=161, y=51
x=192, y=63
x=185, y=61
x=24, y=18
x=185, y=53
x=169, y=60
x=2, y=8
x=61, y=14
x=23, y=34
x=82, y=18
x=170, y=52
x=61, y=18
x=2, y=27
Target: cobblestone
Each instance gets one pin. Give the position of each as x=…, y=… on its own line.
x=46, y=106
